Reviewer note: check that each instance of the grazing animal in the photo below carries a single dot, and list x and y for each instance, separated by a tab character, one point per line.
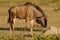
29	12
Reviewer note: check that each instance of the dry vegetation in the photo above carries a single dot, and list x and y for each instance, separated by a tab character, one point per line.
50	7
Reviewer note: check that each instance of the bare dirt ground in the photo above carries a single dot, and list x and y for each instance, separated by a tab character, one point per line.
53	30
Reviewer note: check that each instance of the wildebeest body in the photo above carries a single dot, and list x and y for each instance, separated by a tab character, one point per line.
22	12
29	12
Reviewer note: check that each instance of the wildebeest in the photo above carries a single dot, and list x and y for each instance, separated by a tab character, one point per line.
29	12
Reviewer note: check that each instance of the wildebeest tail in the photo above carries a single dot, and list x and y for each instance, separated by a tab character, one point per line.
9	18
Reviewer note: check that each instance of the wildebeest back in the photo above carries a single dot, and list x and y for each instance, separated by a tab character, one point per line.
21	11
27	11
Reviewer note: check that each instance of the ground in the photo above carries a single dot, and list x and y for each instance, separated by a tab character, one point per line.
51	9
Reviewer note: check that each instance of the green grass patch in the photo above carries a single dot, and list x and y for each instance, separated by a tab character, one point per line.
35	37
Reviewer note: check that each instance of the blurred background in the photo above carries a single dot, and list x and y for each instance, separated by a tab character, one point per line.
50	7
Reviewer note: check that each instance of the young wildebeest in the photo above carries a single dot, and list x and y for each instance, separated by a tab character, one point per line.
29	12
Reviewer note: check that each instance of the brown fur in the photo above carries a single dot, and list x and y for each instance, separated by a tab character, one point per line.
28	12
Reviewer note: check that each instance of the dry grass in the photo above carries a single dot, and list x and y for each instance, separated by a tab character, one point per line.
51	9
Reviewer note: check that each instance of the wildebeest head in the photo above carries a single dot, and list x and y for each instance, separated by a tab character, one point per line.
42	21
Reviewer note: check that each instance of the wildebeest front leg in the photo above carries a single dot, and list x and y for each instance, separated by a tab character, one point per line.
31	26
26	25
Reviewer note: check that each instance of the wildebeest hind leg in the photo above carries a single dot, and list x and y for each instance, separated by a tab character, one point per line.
12	25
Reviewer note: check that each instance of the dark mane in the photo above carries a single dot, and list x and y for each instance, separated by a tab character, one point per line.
36	6
27	3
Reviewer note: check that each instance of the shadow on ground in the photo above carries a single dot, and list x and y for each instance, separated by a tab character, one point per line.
19	29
